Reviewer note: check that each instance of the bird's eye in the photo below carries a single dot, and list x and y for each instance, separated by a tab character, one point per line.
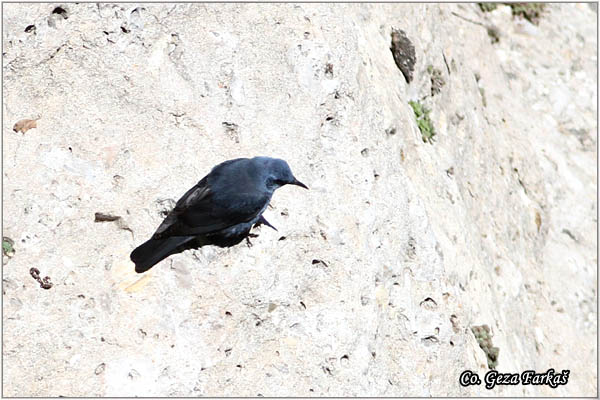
275	183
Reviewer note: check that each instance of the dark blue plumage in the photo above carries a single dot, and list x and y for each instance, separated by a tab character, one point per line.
219	210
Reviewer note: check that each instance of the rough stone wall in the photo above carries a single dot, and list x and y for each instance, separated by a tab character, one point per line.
377	274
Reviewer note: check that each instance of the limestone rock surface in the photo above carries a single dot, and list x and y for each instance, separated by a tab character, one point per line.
377	273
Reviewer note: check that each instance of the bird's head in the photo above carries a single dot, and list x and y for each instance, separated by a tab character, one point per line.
279	173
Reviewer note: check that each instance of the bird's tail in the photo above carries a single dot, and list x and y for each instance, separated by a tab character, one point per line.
148	254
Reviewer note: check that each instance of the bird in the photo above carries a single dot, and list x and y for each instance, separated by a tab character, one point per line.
219	210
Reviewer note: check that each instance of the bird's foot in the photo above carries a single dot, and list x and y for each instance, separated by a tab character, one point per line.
250	235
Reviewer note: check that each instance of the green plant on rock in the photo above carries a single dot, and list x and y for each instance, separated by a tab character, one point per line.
487	7
484	339
530	11
423	121
8	246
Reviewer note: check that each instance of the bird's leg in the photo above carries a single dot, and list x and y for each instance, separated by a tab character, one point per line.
248	242
261	221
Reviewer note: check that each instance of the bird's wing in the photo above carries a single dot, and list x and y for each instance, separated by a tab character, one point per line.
198	213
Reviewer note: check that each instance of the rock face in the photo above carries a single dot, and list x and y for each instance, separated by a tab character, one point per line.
377	274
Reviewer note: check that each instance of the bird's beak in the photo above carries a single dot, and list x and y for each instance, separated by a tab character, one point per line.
298	183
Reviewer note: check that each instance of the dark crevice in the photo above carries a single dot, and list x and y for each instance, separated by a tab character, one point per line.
61	11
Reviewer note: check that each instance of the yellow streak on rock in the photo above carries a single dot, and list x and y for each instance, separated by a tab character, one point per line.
381	296
139	284
125	277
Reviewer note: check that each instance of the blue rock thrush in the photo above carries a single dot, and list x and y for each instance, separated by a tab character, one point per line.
219	210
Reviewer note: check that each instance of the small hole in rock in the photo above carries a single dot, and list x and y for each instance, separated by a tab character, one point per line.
315	261
282	238
61	11
30	28
228	313
125	30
